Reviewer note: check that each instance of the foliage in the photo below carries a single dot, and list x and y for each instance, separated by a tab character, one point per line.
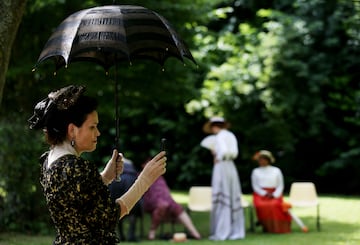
20	192
286	79
284	73
146	113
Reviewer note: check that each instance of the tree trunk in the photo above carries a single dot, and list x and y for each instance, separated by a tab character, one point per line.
11	12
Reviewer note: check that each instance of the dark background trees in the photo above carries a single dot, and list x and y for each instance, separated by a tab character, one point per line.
11	14
284	73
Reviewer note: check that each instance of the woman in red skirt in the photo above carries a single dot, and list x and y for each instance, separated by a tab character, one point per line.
268	184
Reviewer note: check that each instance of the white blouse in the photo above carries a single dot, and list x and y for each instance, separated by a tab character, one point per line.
226	145
267	177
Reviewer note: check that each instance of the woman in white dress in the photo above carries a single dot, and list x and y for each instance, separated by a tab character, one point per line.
227	215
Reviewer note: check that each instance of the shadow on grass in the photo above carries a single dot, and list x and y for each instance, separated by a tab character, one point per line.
331	233
339	226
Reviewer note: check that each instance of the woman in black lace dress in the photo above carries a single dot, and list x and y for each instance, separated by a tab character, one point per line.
76	193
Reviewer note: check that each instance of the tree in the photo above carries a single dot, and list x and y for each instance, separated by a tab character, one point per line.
147	112
11	12
284	73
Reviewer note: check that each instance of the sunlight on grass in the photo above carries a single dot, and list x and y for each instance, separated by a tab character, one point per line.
180	196
340	218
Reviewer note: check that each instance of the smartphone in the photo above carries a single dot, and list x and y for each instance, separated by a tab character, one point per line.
163	144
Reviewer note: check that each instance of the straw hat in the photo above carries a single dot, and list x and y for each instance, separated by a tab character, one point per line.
264	153
179	237
215	120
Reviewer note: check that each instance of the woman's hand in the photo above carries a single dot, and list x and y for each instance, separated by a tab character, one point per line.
154	168
113	168
269	195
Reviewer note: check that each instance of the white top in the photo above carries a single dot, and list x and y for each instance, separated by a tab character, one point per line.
226	145
267	177
208	142
60	150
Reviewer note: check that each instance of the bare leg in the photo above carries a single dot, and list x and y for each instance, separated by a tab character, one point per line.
298	221
156	217
186	221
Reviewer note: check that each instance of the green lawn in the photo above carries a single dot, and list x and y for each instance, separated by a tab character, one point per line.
340	225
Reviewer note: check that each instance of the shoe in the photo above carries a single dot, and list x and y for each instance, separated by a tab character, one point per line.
151	235
304	229
286	206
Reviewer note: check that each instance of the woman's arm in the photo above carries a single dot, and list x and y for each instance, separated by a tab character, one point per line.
152	170
255	183
280	183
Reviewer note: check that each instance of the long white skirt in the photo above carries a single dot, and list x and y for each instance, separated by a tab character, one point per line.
227	215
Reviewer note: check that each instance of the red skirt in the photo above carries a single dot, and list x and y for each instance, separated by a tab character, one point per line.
272	213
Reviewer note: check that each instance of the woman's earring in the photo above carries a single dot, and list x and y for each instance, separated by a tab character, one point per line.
72	142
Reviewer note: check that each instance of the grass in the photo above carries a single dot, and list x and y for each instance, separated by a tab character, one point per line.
340	225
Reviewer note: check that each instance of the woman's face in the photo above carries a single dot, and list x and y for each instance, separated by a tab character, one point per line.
215	129
263	161
86	135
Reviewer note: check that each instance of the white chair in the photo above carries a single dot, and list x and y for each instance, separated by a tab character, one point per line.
200	199
248	206
303	194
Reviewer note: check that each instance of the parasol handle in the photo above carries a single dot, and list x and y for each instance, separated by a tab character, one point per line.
116	89
116	146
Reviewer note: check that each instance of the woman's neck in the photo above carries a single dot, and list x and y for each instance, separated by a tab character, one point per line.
61	150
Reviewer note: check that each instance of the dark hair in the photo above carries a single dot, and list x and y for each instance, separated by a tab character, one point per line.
57	120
